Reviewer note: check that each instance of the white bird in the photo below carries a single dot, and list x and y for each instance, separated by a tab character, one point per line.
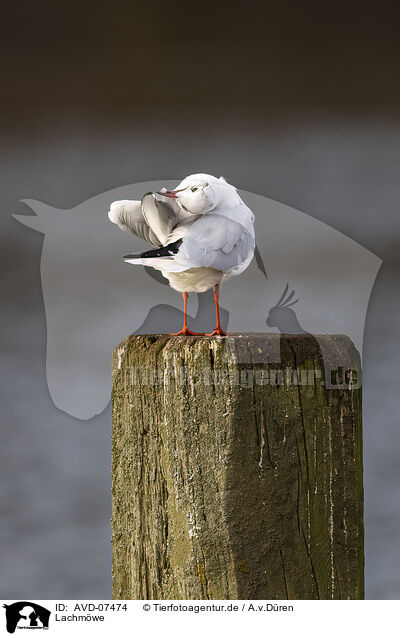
202	230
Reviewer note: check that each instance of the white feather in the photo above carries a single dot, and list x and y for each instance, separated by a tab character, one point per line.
208	215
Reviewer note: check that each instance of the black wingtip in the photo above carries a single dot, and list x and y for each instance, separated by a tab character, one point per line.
159	252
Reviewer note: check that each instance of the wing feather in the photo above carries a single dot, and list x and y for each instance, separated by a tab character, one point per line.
159	216
128	216
150	219
214	241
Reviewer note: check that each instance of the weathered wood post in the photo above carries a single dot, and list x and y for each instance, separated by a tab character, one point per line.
234	477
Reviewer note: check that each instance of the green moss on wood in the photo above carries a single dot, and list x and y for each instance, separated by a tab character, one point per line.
225	492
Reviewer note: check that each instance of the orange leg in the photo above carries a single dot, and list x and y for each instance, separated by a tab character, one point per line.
217	331
185	331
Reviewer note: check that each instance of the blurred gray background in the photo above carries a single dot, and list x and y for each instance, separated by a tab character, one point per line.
298	103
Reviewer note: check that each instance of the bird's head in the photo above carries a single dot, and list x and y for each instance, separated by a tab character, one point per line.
199	193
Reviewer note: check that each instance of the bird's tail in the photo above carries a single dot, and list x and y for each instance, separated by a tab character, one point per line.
260	262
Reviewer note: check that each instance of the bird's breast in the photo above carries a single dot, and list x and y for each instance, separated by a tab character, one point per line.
196	279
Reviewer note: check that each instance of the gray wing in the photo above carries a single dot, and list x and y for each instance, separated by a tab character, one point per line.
159	215
149	219
215	241
128	216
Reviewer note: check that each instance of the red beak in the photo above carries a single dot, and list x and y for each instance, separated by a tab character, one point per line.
171	194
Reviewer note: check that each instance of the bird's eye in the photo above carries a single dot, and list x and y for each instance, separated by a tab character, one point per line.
194	189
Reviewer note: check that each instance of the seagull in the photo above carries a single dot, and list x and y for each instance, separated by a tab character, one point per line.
202	231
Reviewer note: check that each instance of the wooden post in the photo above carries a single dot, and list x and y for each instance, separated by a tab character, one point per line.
235	478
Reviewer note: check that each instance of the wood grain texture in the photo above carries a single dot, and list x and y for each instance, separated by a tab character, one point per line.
246	486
